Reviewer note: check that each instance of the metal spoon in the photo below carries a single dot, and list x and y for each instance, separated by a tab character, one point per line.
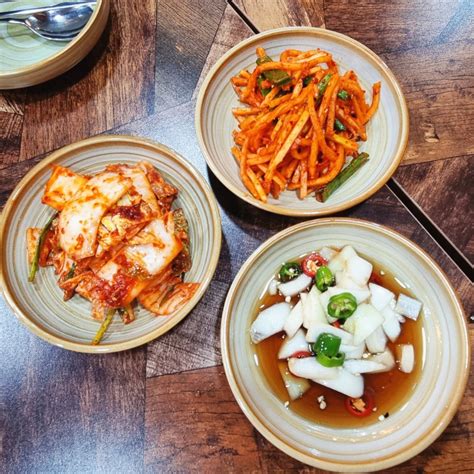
61	24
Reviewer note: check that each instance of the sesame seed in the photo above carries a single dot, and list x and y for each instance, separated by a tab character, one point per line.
382	272
287	404
381	418
320	398
323	405
288	299
365	356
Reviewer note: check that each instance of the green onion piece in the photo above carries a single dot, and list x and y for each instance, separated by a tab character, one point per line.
289	271
324	278
307	80
263	90
71	271
339	126
323	85
342	306
344	175
275	76
103	327
342	94
39	246
331	361
328	344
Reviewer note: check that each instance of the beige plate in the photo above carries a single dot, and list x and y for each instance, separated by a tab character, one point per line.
446	353
27	59
68	324
387	131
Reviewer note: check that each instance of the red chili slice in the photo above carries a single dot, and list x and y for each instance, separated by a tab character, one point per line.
336	324
355	408
302	354
311	263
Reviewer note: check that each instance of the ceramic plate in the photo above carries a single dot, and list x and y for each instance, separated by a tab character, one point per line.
387	131
40	305
445	366
26	59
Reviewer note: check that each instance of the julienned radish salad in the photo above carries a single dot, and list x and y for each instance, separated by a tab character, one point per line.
337	323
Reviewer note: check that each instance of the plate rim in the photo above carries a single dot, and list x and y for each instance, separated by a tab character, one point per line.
281	210
97	22
9	296
436	426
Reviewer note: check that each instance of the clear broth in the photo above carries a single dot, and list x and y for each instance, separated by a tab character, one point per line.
391	389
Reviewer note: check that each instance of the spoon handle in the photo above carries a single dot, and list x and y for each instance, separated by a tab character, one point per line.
59	6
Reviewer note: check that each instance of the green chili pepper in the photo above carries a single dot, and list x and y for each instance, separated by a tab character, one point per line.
71	271
263	90
324	278
323	85
103	327
342	94
289	271
327	343
339	126
342	306
39	246
344	175
307	80
275	76
331	361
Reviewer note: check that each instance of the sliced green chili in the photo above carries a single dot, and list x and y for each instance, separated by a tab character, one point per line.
263	90
331	361
307	80
324	278
327	343
339	126
39	246
289	271
342	94
342	306
323	85
344	175
71	271
275	76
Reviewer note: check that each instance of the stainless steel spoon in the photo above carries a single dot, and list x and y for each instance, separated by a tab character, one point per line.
59	24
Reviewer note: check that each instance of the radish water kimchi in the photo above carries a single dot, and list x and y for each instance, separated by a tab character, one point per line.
115	239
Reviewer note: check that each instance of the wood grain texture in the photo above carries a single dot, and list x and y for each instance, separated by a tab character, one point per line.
269	14
231	31
443	189
68	412
10	137
193	424
184	37
113	85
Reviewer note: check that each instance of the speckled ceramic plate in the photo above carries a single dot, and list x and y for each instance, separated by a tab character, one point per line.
40	305
446	352
387	131
26	59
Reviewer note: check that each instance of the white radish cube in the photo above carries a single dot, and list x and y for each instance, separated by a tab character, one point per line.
408	307
391	324
328	253
343	280
313	311
353	352
295	286
380	296
364	366
358	269
377	341
310	368
294	320
292	345
296	386
386	358
270	321
273	287
345	382
405	357
366	320
315	330
338	262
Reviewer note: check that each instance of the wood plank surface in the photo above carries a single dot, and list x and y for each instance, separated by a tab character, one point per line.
112	86
280	13
61	411
180	56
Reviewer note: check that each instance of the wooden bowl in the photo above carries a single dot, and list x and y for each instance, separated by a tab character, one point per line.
387	131
431	403
28	60
40	305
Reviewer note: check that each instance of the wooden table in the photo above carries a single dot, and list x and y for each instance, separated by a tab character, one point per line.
167	407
